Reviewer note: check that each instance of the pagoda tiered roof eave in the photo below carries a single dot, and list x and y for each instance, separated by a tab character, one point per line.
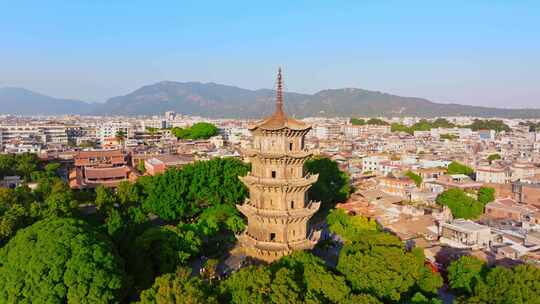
308	180
249	209
259	153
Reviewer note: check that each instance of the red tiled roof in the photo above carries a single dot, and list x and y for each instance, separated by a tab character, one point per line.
102	173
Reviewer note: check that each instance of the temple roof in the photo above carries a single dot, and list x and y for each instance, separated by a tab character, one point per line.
280	120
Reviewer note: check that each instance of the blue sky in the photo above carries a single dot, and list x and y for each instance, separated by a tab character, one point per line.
470	52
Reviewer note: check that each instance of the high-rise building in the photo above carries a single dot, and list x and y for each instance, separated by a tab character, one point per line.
278	209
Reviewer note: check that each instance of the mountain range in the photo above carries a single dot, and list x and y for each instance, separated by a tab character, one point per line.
216	100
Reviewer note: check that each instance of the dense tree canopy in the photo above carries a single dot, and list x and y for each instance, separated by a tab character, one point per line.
160	250
486	195
422	125
475	283
460	203
200	130
497	125
415	177
178	288
60	261
19	164
299	278
371	121
493	157
459	168
357	121
180	194
333	184
465	273
379	265
349	228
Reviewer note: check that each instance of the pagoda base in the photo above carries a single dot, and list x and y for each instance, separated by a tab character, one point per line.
271	251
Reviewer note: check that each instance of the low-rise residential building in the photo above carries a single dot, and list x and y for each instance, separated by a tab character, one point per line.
402	186
160	163
465	233
372	163
492	174
508	208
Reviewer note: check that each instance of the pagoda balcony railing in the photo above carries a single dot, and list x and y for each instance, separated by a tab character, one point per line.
296	153
306	180
308	210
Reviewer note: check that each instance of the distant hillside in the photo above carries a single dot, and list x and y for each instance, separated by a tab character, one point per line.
216	100
20	101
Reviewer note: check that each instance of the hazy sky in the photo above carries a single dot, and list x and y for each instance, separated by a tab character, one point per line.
470	52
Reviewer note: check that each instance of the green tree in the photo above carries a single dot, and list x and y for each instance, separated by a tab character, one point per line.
449	136
460	203
376	121
249	285
388	272
127	193
7	165
333	184
60	260
203	130
486	195
357	122
200	130
317	284
181	133
493	157
181	194
396	127
497	125
458	168
60	201
350	228
220	218
442	123
179	288
105	198
361	299
501	285
377	263
161	250
415	177
140	166
465	273
15	218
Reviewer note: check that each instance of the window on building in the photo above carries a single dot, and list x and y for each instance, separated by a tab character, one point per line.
292	204
272	236
290	146
273	174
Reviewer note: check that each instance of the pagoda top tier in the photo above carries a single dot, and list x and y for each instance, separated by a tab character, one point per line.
279	120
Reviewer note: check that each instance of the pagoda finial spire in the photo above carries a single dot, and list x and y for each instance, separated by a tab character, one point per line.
279	92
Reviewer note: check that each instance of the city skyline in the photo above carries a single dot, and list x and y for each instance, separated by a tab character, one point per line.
474	54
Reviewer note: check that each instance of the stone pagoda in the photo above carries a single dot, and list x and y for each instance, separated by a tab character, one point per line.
278	209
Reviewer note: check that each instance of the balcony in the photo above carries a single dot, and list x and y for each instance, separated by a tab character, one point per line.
277	154
268	181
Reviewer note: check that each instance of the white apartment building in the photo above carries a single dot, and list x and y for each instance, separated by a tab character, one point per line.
522	171
373	163
352	131
33	134
327	131
110	129
490	174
